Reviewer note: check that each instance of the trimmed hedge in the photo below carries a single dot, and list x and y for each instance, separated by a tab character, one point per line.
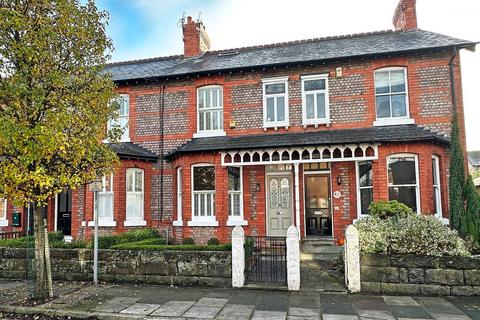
107	242
55	241
174	247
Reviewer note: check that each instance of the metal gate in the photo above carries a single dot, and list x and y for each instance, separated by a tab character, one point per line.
266	260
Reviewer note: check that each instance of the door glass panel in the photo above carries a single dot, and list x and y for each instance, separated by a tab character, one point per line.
273	194
317	192
285	190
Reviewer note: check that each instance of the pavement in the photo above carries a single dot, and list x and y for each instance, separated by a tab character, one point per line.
151	302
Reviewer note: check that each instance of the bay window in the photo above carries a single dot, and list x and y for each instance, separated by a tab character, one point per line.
391	96
437	196
3	212
275	102
135	198
235	197
364	187
105	202
210	111
203	196
315	99
122	119
403	180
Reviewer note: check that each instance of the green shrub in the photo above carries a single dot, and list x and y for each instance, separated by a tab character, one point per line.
68	245
106	242
188	241
417	234
174	247
388	209
152	241
55	236
213	242
23	242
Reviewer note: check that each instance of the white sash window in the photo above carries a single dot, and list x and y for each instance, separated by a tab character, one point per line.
203	196
122	119
135	197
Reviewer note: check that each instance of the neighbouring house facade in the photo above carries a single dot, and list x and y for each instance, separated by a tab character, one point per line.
306	133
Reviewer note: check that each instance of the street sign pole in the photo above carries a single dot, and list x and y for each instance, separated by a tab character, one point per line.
95	242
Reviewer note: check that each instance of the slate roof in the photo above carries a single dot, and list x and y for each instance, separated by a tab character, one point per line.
400	133
320	49
129	150
474	158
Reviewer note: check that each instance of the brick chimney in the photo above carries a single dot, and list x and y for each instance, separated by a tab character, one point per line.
195	38
405	17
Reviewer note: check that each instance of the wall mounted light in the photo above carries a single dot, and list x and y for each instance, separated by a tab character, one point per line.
339	180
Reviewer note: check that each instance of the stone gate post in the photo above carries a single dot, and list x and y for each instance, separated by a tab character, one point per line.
238	257
352	259
293	258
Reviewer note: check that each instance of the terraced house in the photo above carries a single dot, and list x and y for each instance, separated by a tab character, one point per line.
307	132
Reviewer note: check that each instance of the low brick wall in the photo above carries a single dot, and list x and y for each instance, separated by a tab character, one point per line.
184	268
420	275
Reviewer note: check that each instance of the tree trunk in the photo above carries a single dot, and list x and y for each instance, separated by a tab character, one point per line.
41	288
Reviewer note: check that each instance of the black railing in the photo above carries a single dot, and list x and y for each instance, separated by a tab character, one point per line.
11	234
265	260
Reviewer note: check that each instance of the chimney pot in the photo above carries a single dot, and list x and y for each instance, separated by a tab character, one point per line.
405	17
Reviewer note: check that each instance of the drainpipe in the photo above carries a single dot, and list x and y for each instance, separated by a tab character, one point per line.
162	144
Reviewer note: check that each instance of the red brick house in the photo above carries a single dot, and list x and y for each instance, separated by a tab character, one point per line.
307	132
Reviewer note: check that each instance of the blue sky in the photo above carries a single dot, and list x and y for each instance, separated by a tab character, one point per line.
149	28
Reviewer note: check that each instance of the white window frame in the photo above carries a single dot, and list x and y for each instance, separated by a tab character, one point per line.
417	176
236	220
4	220
392	120
205	221
359	188
437	187
179	221
135	221
276	124
316	120
110	222
213	132
126	134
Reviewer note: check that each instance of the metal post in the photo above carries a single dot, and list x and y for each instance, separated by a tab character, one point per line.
95	241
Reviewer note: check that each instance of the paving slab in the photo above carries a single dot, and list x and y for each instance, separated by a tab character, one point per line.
236	312
212	302
201	312
141	308
443	316
365	302
303	318
269	315
173	308
438	305
399	301
376	314
116	304
338	308
303	312
403	311
339	317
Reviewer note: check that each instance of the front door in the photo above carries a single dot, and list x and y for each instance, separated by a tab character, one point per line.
279	204
317	205
64	212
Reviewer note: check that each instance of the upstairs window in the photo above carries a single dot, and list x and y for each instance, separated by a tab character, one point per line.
210	111
403	180
391	96
135	198
364	187
122	118
315	99
203	193
275	102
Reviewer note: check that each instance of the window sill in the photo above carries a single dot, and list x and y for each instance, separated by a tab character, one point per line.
393	122
119	141
206	134
276	125
178	223
3	223
103	223
202	223
236	222
134	223
444	221
359	218
316	123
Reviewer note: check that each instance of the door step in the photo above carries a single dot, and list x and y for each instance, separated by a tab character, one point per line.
320	249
